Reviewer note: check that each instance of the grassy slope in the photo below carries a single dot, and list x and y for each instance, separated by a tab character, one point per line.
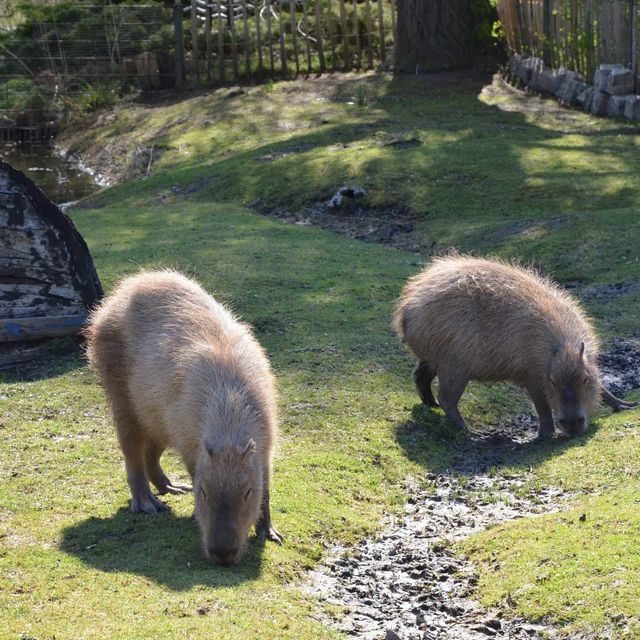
321	305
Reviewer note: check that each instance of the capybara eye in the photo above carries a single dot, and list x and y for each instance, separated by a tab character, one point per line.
246	495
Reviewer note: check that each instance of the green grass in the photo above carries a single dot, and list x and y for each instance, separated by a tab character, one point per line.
564	194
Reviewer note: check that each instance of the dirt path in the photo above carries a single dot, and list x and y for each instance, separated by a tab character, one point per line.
406	583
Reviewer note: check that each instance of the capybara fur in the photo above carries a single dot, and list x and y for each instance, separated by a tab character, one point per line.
180	371
469	318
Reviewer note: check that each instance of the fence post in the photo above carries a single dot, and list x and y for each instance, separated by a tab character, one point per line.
634	43
179	43
194	40
546	32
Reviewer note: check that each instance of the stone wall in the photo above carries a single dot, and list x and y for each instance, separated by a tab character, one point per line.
610	94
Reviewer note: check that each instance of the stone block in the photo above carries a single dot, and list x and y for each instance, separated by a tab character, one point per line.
632	107
620	82
601	79
599	103
570	89
585	98
549	81
529	69
514	63
616	105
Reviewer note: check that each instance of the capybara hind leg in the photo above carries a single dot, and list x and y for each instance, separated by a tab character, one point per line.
264	527
452	387
423	376
152	453
545	415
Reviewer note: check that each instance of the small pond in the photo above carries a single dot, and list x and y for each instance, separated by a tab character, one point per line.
61	179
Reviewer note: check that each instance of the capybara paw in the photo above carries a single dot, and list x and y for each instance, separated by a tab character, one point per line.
170	487
147	504
269	533
544	435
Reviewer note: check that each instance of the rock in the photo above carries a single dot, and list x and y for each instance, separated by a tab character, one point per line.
572	86
620	82
530	69
616	106
549	81
391	635
599	103
632	107
585	98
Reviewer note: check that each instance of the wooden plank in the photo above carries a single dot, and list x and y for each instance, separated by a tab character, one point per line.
221	59
283	49
194	41
294	34
14	329
383	52
393	18
247	42
234	44
259	43
178	36
307	37
356	28
319	37
369	24
207	34
270	40
346	58
332	35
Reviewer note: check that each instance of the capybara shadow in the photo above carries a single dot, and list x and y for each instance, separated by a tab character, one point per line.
165	549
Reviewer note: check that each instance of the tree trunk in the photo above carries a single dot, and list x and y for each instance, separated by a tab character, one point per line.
433	35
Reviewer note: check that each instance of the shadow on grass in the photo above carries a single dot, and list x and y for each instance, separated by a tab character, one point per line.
32	361
432	440
163	548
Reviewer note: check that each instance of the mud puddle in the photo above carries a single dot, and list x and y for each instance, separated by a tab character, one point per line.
406	583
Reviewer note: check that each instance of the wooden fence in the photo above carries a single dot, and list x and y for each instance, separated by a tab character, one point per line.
577	34
246	40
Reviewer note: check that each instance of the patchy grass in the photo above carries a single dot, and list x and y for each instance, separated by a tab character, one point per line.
487	176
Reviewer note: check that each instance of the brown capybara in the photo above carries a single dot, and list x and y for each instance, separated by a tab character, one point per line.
180	371
469	318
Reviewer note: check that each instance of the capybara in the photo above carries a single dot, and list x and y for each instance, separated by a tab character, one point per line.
469	318
180	371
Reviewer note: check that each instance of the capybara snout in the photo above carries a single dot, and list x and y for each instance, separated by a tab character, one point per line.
226	504
180	371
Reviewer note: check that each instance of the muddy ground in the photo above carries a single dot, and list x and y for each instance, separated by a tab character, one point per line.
405	583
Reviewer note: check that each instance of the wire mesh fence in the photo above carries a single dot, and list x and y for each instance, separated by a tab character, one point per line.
62	56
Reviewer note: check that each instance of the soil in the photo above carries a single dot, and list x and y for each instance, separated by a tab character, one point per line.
406	583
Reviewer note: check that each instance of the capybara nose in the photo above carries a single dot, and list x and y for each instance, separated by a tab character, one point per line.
573	425
224	555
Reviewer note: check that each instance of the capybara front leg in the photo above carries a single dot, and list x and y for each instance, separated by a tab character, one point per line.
152	453
264	527
423	376
452	387
545	415
132	444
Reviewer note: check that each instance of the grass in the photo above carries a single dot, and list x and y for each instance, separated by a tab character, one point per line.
561	191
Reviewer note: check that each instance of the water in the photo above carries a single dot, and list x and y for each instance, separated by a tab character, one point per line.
60	179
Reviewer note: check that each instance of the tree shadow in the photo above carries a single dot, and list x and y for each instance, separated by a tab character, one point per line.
164	548
433	441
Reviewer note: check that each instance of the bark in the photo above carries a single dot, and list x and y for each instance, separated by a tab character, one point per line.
433	35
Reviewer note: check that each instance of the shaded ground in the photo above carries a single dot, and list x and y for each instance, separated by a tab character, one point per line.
406	583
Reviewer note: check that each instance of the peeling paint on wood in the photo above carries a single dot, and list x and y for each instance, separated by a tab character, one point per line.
47	277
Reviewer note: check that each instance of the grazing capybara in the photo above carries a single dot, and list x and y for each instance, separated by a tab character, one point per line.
469	318
180	371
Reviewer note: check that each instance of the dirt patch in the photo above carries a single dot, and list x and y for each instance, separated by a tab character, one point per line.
392	226
406	583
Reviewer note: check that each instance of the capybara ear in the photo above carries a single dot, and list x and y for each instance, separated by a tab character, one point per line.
581	355
250	449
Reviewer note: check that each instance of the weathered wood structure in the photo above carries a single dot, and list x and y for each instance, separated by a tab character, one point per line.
47	278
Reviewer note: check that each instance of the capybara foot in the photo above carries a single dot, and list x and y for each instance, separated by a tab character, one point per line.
147	504
171	487
268	533
545	433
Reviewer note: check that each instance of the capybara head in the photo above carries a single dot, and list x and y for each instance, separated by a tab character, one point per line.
573	388
228	495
